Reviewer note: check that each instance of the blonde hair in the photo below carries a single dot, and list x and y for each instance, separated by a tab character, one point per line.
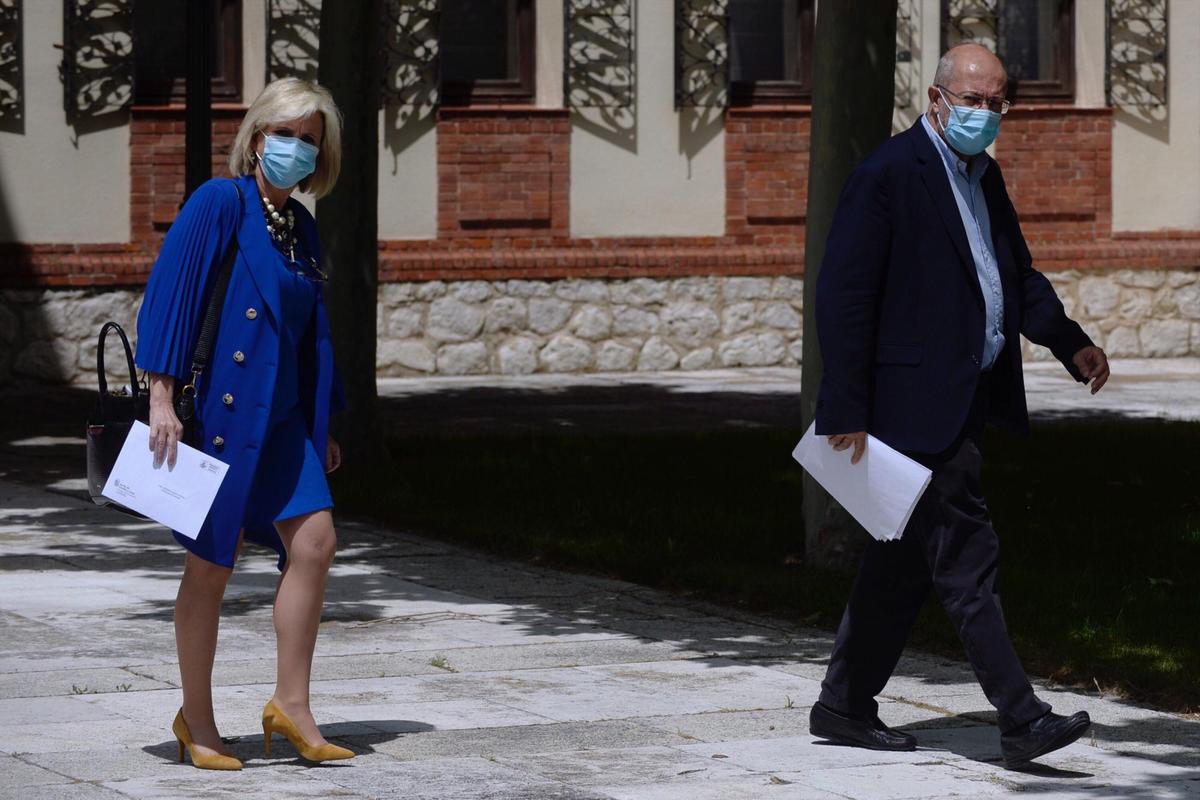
282	101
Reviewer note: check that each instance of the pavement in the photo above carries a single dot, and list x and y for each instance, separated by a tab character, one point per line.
1167	388
456	674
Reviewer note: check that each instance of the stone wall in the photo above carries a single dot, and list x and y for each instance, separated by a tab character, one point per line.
1132	313
518	327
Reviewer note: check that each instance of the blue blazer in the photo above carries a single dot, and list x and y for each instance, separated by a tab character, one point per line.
245	353
899	311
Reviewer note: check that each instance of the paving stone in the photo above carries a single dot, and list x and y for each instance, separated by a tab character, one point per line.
400	716
637	765
458	778
186	781
66	791
459	675
901	782
525	739
722	726
18	772
75	681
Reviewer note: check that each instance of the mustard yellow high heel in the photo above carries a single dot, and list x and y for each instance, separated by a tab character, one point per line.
275	721
199	760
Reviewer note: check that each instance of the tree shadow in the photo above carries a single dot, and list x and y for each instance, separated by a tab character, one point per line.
397	578
601	70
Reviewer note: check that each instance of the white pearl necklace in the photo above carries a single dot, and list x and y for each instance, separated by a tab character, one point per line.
280	227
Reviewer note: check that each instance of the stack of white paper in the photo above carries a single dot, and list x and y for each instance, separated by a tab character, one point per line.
880	491
179	498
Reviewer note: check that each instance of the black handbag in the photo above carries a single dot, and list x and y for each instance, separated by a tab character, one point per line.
115	411
111	418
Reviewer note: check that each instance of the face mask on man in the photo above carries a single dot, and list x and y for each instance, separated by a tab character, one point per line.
969	130
286	161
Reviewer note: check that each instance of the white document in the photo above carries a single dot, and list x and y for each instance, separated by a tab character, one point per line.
880	491
179	497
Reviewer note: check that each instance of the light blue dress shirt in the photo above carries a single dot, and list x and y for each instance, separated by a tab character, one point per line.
968	194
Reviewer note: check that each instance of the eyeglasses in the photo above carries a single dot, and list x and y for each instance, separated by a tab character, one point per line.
996	104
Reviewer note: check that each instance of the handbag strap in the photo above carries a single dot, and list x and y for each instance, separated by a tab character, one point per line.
102	378
212	315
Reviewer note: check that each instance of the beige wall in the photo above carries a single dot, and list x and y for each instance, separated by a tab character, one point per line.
1156	162
665	176
57	183
914	77
1090	18
254	48
548	58
407	173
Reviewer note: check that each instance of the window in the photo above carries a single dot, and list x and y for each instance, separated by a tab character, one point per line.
486	51
770	53
160	51
1034	38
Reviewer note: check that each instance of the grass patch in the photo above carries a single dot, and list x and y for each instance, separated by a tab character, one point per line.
1099	523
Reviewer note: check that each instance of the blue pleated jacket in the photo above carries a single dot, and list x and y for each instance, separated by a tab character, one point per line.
235	392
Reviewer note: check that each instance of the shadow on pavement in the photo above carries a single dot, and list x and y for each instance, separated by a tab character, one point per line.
409	576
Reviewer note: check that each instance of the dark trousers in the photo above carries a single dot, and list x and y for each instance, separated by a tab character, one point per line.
949	545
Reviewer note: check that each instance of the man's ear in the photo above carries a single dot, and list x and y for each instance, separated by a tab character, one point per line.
933	96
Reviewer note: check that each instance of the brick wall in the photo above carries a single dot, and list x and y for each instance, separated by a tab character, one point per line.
1057	163
157	165
503	176
766	175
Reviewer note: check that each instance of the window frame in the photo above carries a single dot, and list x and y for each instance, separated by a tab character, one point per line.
517	91
753	93
226	84
1059	90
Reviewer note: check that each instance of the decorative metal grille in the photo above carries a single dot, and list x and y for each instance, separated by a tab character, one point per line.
1136	74
701	53
970	21
97	65
908	52
12	77
599	53
293	38
411	68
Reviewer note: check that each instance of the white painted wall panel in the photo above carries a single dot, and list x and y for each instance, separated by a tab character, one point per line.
1156	163
666	175
57	183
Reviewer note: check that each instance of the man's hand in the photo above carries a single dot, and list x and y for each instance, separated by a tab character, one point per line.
841	441
1093	365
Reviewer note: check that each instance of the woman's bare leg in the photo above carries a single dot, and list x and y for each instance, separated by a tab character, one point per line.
310	542
197	618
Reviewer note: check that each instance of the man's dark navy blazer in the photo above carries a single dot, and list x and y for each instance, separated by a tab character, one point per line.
900	314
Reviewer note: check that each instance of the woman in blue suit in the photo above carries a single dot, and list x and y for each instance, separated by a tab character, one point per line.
263	403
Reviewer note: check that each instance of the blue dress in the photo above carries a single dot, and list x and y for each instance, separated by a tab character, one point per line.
263	404
290	477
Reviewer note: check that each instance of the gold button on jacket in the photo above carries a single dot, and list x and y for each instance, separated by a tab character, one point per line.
251	313
227	399
239	356
218	441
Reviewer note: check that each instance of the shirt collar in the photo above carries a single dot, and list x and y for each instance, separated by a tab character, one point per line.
953	163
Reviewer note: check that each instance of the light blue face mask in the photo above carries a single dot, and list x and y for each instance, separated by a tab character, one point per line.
969	130
287	161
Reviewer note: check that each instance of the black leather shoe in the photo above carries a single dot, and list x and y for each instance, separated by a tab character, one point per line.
825	723
1045	734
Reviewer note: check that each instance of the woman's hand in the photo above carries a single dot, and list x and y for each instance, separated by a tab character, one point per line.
165	427
333	455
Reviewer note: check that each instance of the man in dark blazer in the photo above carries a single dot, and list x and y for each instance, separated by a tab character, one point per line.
924	292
